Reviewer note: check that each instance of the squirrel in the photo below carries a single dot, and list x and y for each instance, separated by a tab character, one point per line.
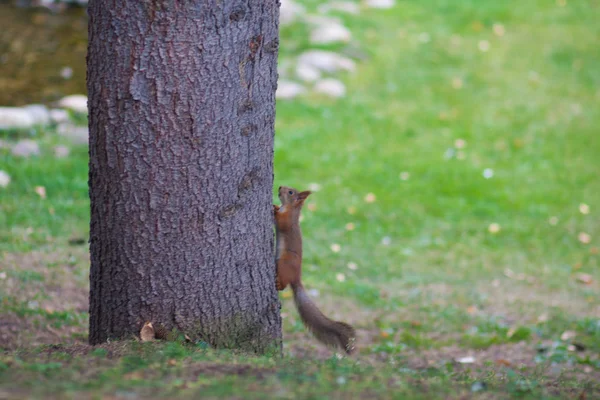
289	263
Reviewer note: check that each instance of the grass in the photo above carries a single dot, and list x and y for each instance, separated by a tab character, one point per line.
431	281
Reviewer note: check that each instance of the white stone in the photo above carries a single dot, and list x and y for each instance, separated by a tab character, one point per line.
26	148
307	72
39	113
327	34
289	12
4	179
77	134
61	151
344	6
326	61
75	102
288	89
380	3
58	116
330	87
15	118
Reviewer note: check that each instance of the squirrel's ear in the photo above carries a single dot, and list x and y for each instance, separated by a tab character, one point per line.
303	195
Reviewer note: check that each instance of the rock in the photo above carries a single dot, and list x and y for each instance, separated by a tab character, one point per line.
330	87
4	179
289	11
26	148
77	134
344	6
327	34
288	89
61	151
39	113
307	72
15	118
380	3
326	61
76	102
58	116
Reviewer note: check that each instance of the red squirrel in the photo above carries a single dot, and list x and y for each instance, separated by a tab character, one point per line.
289	271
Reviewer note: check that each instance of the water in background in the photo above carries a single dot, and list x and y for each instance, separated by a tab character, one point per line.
42	54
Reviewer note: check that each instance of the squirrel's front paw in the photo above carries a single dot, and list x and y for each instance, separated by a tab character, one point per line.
275	208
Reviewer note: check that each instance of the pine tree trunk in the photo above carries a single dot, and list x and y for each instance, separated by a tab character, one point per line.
182	110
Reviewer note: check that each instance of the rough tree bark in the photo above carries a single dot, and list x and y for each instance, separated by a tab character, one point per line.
182	110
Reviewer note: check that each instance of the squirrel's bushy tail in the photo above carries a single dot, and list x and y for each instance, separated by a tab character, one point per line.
331	333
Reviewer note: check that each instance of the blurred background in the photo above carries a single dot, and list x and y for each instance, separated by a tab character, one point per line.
453	150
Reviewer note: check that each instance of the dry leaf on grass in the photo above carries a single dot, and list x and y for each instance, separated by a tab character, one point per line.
586	279
147	332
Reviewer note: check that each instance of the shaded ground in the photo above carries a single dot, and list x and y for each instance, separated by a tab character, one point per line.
44	328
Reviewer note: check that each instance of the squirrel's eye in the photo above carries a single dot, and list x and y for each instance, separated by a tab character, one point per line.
290	193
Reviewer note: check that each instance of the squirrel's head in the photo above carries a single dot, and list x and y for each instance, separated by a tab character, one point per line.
288	195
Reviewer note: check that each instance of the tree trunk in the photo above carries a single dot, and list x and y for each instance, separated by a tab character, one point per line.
182	111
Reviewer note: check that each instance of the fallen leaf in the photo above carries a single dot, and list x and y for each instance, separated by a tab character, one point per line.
135	375
584	238
498	29
457	83
477	26
484	45
466	360
287	294
314	187
567	335
585	278
503	362
494	227
147	332
172	362
41	191
370	198
471	310
509	273
460	143
384	334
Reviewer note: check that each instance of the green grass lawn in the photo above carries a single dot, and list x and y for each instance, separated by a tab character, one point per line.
457	216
